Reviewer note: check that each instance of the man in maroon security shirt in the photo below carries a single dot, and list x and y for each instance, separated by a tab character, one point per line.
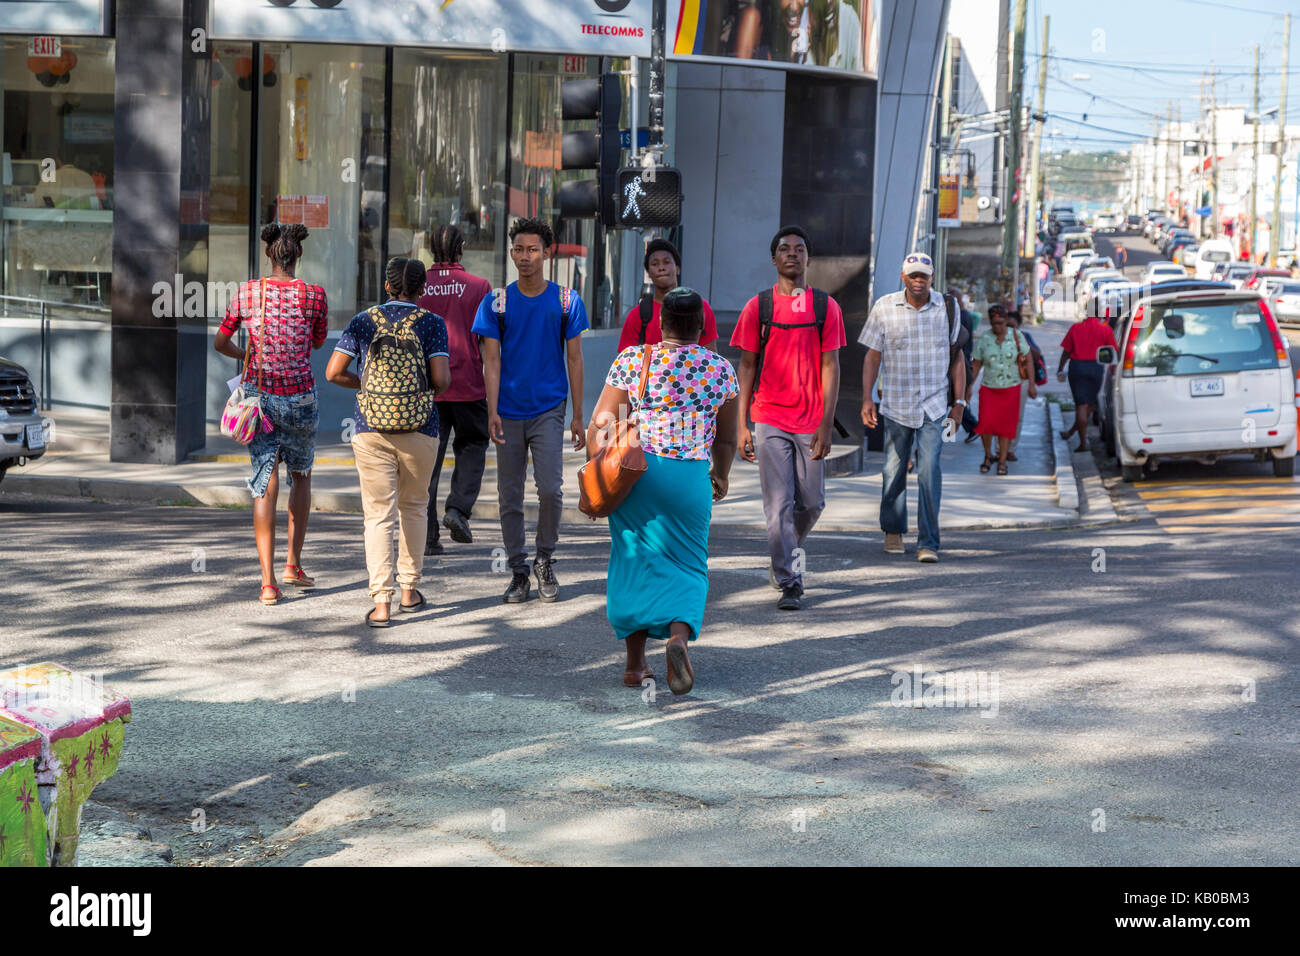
789	336
455	294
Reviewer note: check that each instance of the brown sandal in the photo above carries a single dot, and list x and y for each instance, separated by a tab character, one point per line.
272	601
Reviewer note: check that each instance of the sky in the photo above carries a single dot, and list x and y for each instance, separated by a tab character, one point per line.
1141	54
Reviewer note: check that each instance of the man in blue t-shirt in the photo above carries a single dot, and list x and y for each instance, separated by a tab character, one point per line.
531	357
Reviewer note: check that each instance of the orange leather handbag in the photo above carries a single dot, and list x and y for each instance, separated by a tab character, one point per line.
608	476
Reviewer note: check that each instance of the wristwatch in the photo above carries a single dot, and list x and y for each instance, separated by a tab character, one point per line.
960	401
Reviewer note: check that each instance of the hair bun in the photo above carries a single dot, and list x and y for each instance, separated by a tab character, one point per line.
271	232
296	232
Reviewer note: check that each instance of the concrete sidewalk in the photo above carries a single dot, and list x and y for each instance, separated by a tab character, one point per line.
77	465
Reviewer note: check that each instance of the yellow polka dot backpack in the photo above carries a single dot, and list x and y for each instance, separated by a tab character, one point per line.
395	392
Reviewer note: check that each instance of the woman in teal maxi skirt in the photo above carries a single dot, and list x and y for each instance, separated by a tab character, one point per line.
658	580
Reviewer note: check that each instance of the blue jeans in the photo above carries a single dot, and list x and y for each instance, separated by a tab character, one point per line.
293	438
899	440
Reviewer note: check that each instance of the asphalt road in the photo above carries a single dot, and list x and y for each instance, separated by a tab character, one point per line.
1139	703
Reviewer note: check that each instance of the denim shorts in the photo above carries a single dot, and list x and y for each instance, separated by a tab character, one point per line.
292	437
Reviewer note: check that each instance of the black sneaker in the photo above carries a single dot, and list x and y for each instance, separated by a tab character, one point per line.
517	593
433	546
548	589
458	525
790	598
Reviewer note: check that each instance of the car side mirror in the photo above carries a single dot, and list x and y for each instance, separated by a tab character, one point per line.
1106	355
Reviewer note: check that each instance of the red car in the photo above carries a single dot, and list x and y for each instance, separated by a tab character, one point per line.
1252	281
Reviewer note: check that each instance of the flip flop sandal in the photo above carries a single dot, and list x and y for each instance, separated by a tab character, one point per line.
270	602
988	463
681	676
1011	456
1002	469
296	575
632	679
373	623
412	608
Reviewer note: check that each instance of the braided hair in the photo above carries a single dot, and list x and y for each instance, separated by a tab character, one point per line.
405	277
284	243
447	244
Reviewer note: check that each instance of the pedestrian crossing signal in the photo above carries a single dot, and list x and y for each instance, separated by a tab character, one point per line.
649	197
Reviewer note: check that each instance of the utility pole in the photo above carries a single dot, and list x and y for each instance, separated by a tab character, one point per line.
1169	155
1275	231
945	141
1035	169
1214	160
1178	166
1254	157
1011	222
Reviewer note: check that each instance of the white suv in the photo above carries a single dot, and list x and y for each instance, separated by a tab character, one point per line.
1204	374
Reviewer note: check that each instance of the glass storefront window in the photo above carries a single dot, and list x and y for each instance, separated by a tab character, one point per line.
229	217
57	237
321	143
449	155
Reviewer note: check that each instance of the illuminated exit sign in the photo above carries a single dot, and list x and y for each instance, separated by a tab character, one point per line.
45	46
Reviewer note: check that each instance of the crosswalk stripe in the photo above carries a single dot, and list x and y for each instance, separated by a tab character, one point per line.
1234	517
1220	492
1248	529
1233	506
1210	483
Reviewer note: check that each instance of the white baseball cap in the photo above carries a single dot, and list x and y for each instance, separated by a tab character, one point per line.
918	262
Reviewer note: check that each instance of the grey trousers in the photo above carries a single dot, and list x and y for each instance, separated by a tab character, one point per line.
544	437
794	495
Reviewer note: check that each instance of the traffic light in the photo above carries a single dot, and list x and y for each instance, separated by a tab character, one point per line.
649	198
602	100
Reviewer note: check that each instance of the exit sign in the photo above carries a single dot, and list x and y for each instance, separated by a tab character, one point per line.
575	64
45	46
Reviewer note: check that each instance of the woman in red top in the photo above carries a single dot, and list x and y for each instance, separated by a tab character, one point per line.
287	318
1080	346
663	263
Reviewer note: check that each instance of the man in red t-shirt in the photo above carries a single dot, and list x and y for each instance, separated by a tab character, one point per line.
793	406
455	294
663	263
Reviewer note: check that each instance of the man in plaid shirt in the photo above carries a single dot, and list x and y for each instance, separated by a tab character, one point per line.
909	336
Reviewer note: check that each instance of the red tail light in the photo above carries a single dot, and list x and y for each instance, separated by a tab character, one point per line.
1130	350
1279	346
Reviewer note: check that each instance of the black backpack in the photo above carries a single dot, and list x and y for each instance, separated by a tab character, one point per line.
566	301
821	301
963	336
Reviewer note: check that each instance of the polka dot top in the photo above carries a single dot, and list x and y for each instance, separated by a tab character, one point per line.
687	386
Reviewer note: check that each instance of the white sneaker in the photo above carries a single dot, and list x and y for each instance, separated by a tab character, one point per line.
926	556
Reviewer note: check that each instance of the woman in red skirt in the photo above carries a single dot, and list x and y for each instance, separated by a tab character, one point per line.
995	352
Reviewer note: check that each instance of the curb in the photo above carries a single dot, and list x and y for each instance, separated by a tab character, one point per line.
1067	491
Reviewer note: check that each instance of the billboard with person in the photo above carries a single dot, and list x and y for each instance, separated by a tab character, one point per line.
839	34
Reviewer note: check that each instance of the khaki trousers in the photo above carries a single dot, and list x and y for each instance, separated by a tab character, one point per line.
394	470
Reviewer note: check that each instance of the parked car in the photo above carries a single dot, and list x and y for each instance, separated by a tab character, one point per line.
1186	256
22	430
1214	252
1094	264
1133	223
1162	272
1195	366
1283	298
1109	298
1173	241
1106	222
1236	273
1071	261
1253	279
1087	290
1074	239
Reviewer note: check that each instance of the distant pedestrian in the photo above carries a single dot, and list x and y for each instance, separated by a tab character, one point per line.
285	318
1043	272
532	356
1039	376
658	578
996	353
789	337
911	340
455	295
1121	256
402	366
663	264
1079	348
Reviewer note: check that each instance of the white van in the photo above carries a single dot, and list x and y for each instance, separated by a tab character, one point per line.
1203	374
1212	252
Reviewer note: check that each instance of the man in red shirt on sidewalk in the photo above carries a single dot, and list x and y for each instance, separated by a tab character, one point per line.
455	294
663	264
789	336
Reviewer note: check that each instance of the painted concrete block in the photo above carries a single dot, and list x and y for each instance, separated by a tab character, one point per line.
22	823
80	728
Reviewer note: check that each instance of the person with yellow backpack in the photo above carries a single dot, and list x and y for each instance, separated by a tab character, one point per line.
403	363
